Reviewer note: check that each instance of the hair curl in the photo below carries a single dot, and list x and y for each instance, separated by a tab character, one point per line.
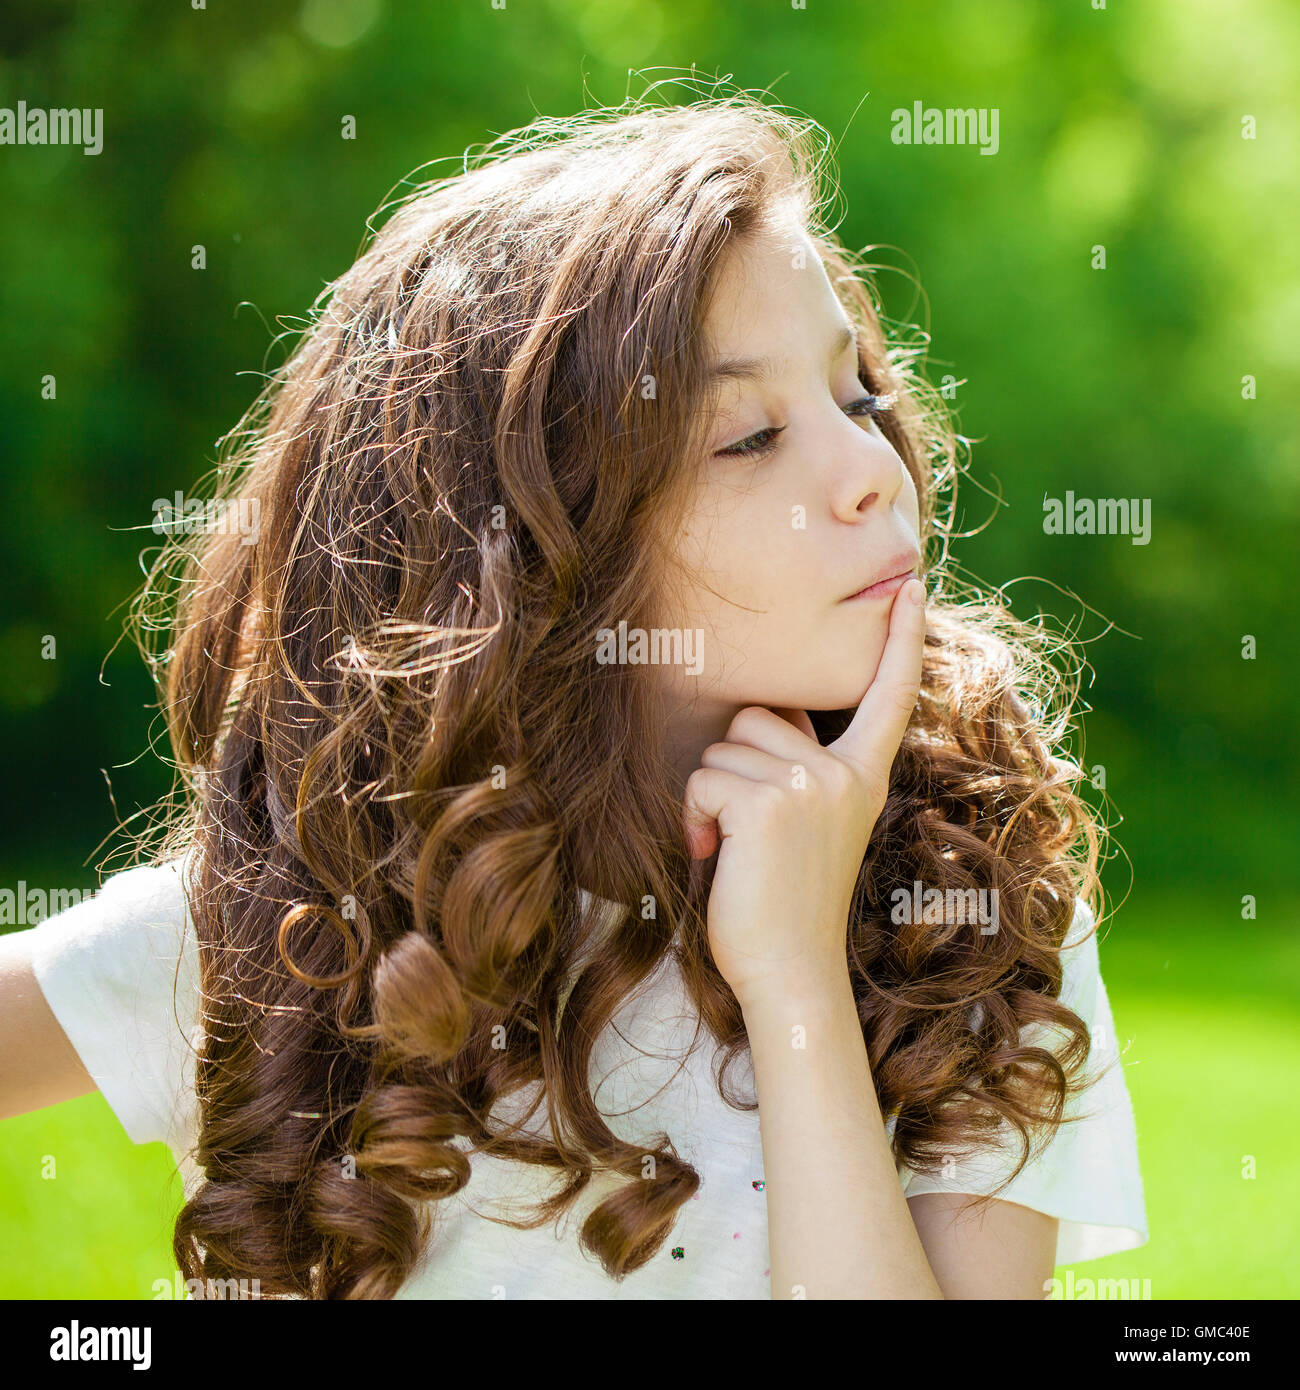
400	763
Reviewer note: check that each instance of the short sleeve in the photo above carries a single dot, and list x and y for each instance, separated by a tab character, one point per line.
119	971
1088	1175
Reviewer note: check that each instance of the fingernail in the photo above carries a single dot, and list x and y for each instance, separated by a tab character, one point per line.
916	592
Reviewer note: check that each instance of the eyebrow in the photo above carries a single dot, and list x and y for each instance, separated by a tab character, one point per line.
760	368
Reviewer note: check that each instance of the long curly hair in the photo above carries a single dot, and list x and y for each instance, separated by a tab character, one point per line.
399	763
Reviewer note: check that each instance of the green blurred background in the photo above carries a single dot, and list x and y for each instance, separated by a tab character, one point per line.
1120	127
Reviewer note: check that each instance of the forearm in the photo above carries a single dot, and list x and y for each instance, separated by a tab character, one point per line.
838	1223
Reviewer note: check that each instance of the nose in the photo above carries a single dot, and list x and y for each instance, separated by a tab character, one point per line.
867	473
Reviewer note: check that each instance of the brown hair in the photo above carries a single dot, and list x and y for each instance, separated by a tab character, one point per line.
400	760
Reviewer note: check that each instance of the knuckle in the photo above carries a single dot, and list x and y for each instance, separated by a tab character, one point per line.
695	783
903	698
769	802
745	722
838	777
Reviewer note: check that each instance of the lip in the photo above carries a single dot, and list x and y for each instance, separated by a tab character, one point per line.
896	573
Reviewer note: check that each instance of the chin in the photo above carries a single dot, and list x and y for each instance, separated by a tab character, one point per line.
836	683
833	702
833	694
844	689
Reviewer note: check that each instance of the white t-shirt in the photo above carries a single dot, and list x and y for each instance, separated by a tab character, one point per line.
108	965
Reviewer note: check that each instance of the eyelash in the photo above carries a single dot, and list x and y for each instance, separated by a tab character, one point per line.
873	405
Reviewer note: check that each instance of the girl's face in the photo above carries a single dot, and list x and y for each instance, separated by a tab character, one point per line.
800	502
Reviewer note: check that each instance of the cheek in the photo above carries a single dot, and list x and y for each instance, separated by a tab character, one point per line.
735	581
911	506
730	558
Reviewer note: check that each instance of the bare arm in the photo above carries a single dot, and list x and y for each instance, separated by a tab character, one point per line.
1008	1251
38	1065
838	1223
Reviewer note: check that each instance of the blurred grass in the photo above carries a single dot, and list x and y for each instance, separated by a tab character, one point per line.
1204	1000
101	1226
1207	1004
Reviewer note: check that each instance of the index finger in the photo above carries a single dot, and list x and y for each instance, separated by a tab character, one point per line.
877	728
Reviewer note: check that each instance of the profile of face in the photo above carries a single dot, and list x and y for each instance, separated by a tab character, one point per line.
799	504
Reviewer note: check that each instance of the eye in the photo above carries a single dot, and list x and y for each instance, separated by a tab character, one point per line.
762	442
754	444
875	406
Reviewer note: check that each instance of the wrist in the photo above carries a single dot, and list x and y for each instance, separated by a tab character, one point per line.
809	986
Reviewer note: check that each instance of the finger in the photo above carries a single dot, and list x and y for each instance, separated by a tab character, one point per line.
797	717
762	728
876	730
709	793
750	763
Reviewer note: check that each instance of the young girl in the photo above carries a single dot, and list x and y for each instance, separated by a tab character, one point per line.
575	771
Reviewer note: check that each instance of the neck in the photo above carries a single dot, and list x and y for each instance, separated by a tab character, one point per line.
689	728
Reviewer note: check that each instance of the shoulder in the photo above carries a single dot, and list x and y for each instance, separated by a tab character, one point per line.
1081	963
147	899
119	971
128	933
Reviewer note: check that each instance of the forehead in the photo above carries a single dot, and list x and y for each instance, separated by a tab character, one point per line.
771	293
